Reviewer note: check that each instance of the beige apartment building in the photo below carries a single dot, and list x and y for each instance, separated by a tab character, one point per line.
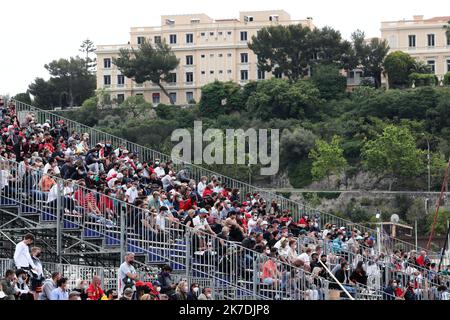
208	50
424	39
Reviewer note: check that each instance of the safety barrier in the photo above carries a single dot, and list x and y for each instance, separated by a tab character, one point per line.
297	209
234	272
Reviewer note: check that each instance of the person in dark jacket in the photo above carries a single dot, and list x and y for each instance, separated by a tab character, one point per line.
389	291
194	292
409	293
359	275
167	284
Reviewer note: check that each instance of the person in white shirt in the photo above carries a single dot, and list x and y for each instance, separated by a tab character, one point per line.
200	223
53	165
22	257
53	193
113	180
253	223
202	185
160	172
306	256
131	193
21	286
113	171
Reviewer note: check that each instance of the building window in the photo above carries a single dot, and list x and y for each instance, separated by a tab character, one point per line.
448	65
261	75
211	55
140	40
211	33
189	77
431	40
202	55
139	94
211	71
229	33
120	98
156	98
244	57
173	96
173	38
189	60
229	71
412	41
202	34
107	80
203	72
189	97
244	75
432	65
220	33
189	38
229	55
220	55
243	35
172	78
157	39
107	63
220	71
278	75
448	40
120	79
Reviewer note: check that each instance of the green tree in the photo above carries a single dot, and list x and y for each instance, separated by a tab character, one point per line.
397	66
220	98
327	158
148	63
393	154
328	48
373	65
283	49
293	49
44	93
87	47
23	97
72	82
441	223
136	107
277	98
329	81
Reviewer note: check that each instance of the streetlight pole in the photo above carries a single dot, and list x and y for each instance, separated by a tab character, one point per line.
378	216
428	164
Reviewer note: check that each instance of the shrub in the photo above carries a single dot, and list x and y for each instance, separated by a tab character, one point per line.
423	79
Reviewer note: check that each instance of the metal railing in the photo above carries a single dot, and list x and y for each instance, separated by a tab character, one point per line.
196	172
234	272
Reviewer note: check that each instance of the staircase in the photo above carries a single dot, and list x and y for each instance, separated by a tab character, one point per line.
296	208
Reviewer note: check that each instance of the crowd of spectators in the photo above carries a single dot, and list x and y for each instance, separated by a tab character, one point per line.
95	174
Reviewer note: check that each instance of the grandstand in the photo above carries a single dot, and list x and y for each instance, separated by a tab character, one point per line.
83	246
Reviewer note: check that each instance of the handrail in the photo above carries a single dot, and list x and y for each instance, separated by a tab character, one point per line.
234	244
191	230
288	203
337	281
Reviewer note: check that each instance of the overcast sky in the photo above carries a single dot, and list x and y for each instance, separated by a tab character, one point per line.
34	32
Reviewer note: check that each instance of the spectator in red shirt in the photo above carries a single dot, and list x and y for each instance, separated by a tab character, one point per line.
106	204
422	259
94	291
208	190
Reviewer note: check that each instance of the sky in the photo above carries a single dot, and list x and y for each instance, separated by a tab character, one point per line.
35	32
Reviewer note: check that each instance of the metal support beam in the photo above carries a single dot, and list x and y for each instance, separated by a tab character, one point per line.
337	281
